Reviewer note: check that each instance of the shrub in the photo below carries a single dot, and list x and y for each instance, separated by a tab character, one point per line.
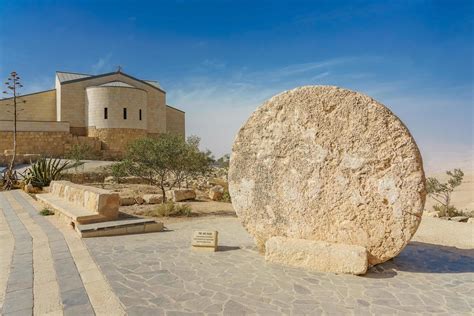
226	197
43	171
170	209
441	210
182	210
164	209
46	212
441	192
79	152
119	171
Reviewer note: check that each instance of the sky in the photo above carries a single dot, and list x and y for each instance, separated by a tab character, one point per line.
219	60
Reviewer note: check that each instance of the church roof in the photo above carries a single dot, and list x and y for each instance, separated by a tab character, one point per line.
116	84
64	77
68	76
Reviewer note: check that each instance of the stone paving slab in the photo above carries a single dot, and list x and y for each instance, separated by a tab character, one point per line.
63	266
19	291
50	269
158	274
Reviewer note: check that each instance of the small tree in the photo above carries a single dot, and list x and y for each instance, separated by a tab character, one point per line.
441	192
79	152
164	161
193	162
13	85
119	170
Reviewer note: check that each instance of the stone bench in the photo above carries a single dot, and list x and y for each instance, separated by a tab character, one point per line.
81	204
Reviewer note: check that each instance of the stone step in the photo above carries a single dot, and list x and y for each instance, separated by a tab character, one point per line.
119	227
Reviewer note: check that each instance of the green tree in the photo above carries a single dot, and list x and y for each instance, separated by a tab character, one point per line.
79	152
195	162
119	170
165	161
441	192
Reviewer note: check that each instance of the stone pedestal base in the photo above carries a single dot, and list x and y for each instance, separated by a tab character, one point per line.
318	256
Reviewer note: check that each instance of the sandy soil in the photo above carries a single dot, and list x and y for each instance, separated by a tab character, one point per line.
447	233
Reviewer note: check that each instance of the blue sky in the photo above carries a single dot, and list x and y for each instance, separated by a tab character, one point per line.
219	60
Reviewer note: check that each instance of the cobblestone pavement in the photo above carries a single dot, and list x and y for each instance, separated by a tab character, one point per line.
50	270
158	273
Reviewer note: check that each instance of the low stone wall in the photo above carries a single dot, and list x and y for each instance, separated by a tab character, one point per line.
51	144
109	144
19	159
93	199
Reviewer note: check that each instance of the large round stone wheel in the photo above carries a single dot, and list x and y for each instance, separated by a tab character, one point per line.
330	164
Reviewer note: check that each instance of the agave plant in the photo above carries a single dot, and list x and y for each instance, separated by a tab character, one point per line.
43	171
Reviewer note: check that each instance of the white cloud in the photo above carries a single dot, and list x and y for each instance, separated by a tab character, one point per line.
102	65
298	69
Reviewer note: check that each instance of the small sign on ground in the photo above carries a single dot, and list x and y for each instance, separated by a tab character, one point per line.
205	240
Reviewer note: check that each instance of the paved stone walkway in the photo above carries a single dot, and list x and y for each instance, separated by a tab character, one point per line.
45	275
46	269
158	274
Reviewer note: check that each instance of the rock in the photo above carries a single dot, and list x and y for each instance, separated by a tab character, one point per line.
29	188
328	164
216	193
462	219
109	179
471	220
316	255
153	198
432	214
139	200
127	200
182	195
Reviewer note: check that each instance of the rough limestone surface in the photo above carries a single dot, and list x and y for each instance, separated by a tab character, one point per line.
183	195
328	164
93	199
317	255
216	192
153	198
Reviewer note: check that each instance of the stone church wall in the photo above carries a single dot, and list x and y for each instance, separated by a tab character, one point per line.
115	99
43	143
39	106
175	121
73	96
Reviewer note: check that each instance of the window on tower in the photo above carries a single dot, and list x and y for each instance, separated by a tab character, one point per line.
106	113
140	114
124	113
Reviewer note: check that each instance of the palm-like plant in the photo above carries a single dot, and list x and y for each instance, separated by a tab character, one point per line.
43	171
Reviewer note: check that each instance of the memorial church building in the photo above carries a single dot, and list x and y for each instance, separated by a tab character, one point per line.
104	111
